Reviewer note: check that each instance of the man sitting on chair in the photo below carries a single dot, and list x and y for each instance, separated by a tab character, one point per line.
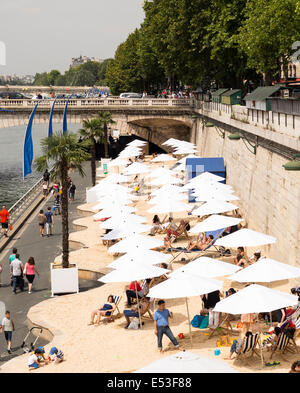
133	313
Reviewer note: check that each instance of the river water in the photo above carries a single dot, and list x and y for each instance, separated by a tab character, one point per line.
12	185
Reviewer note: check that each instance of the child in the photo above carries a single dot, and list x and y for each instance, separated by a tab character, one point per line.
33	360
8	327
56	355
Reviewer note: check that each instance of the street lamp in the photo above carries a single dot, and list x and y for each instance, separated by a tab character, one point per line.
236	136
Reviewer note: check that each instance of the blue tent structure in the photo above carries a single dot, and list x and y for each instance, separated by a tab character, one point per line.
196	166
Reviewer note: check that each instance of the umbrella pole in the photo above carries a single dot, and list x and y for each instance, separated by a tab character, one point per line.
138	304
189	319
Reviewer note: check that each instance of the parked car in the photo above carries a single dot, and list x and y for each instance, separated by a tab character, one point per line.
13	95
131	95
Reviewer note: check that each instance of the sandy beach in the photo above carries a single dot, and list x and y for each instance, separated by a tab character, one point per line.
109	347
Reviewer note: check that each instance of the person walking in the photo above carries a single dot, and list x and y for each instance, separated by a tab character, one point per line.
42	221
49	221
45	190
161	325
72	191
12	256
4	219
46	177
30	271
7	326
16	268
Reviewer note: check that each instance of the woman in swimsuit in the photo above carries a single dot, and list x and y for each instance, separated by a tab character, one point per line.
105	310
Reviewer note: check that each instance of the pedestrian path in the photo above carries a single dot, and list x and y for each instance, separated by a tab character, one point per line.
44	250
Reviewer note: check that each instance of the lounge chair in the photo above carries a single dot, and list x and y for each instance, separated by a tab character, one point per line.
224	324
117	300
283	343
176	252
249	347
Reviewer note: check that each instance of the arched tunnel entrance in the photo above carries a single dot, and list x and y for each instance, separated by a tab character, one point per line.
116	146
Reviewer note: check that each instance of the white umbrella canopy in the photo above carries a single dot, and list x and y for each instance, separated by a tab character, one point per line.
163	158
168	189
135	242
113	189
187	362
208	176
137	142
126	230
207	267
166	197
201	185
266	270
113	203
117	162
140	256
170	142
214	207
113	178
130	152
160	172
158	181
169	206
107	212
184	285
179	168
136	168
133	272
255	299
206	196
245	238
183	160
184	150
122	219
215	222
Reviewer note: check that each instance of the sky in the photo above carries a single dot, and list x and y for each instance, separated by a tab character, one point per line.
41	35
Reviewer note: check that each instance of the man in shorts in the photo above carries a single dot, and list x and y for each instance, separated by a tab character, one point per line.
8	326
4	219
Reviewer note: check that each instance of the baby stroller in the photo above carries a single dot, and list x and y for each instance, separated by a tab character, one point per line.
29	347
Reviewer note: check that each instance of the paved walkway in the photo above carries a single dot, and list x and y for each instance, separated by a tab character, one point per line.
44	250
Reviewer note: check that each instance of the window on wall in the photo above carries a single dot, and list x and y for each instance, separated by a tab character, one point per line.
262	117
293	121
285	119
279	119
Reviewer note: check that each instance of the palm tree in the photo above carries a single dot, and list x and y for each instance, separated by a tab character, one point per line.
105	119
91	132
62	152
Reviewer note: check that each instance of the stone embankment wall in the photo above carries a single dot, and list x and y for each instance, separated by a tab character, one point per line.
269	195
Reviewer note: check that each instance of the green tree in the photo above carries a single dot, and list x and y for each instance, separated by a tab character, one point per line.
267	35
63	152
105	120
41	79
92	132
52	76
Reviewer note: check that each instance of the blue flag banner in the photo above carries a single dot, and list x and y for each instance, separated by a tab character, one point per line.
28	146
65	124
50	129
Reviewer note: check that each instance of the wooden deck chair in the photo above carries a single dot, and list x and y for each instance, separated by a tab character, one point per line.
117	300
281	345
224	324
211	248
249	347
149	316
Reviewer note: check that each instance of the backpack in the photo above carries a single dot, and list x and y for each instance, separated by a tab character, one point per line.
134	324
196	322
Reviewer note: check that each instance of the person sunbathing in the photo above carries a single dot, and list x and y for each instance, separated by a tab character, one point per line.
143	306
236	346
171	236
201	243
103	311
157	226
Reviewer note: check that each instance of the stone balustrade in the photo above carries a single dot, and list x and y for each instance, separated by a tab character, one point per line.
97	102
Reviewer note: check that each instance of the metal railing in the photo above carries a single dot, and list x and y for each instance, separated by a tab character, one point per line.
20	207
98	102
